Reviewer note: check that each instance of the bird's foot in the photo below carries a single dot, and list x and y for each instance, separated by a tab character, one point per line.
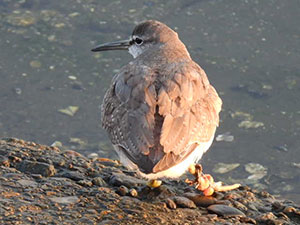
206	183
154	183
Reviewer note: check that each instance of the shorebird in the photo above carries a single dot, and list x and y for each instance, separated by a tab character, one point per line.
160	111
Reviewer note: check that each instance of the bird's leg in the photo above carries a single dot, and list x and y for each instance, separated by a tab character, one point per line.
154	183
205	182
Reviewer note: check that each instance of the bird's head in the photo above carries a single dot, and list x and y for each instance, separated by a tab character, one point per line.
146	35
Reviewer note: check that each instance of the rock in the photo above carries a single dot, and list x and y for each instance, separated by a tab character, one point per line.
289	209
4	161
267	218
85	183
171	204
65	200
133	192
99	182
200	200
225	210
73	175
118	179
44	169
107	222
239	206
30	197
122	190
184	202
26	183
164	191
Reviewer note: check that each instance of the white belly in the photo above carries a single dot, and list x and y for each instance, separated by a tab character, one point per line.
173	172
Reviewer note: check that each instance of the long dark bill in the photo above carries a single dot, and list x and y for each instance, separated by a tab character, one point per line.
116	45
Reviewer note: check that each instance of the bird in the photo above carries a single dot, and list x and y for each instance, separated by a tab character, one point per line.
160	111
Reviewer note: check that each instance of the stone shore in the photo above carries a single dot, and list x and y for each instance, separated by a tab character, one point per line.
44	185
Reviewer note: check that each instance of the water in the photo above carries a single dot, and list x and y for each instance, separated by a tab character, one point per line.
249	49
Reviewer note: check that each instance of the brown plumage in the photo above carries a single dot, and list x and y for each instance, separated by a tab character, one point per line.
160	108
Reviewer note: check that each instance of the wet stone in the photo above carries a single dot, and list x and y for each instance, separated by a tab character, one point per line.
225	167
44	169
200	200
225	210
184	202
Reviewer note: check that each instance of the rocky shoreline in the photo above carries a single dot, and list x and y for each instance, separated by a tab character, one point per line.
44	185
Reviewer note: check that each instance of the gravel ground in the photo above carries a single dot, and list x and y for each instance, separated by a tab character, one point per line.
43	185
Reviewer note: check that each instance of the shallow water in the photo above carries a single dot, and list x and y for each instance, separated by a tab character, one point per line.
249	50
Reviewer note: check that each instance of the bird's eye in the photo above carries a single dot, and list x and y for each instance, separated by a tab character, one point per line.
138	41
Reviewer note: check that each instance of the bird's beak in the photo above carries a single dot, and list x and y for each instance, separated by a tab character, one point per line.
117	45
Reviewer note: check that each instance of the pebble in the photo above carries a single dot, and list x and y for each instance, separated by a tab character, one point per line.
171	204
123	190
225	210
184	202
133	192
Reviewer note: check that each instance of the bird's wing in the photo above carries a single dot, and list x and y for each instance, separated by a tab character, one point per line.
190	107
128	113
157	120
